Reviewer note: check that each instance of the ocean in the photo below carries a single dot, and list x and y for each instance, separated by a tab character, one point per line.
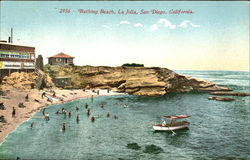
218	130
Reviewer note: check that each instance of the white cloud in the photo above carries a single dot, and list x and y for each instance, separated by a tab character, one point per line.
186	23
138	25
153	27
166	23
162	23
124	22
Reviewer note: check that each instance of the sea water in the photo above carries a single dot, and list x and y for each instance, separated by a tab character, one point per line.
218	130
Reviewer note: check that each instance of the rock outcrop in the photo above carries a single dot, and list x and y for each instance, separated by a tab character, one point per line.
23	80
221	98
133	80
230	93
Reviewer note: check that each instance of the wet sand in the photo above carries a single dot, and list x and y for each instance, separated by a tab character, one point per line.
15	96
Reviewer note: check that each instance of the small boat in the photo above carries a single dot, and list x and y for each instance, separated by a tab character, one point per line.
173	125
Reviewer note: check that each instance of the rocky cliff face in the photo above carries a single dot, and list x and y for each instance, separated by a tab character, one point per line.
133	80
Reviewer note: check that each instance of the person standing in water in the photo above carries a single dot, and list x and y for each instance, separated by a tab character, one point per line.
77	118
108	115
93	119
64	127
44	111
86	105
31	125
69	114
65	114
47	117
102	106
88	112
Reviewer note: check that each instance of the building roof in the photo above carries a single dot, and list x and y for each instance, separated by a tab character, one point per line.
11	44
61	55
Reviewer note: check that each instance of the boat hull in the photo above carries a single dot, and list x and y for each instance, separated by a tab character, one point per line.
168	128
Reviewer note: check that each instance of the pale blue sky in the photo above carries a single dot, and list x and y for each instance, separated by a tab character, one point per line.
215	36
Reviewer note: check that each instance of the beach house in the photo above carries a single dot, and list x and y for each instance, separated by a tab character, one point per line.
16	58
61	59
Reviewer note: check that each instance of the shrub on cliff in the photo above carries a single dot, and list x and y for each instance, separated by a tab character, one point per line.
132	65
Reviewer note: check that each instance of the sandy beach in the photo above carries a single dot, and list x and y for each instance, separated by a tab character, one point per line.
35	102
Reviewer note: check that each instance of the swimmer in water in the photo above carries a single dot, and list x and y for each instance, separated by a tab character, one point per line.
86	105
65	114
64	127
31	125
93	119
47	117
77	118
44	111
88	112
102	106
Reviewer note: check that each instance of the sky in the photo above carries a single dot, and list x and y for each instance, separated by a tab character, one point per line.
205	36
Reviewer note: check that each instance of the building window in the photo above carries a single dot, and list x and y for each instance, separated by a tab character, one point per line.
15	55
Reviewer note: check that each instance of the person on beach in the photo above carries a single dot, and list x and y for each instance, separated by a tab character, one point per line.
37	101
97	92
108	90
14	112
44	111
49	99
27	97
54	93
43	94
69	114
77	118
64	127
108	115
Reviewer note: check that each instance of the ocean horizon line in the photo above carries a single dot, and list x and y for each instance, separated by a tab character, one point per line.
212	70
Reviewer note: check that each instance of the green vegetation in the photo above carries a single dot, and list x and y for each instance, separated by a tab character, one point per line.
132	65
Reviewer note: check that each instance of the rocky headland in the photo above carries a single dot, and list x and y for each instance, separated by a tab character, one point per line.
133	80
